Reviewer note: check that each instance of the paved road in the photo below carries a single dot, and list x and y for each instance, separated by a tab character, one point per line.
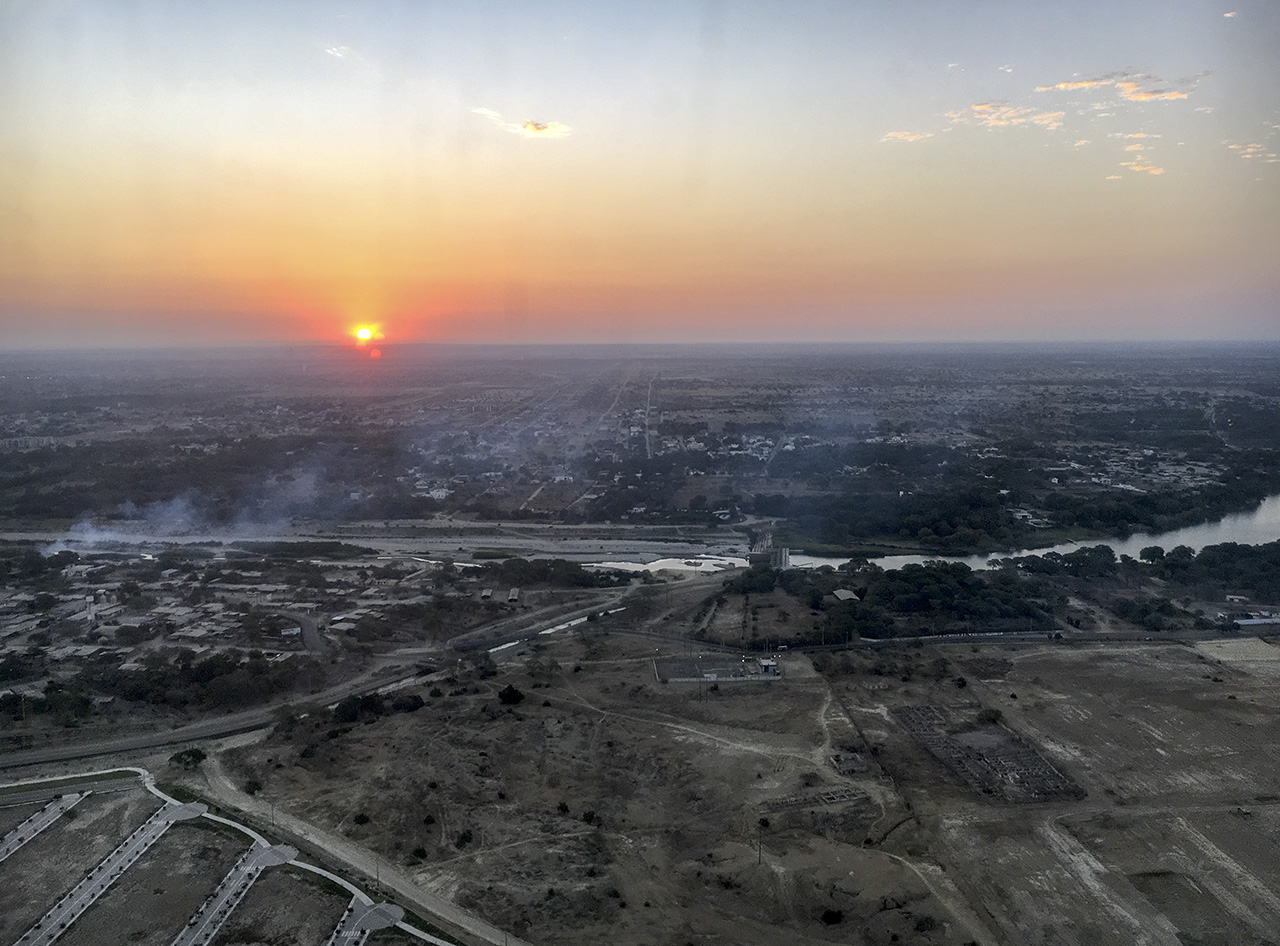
360	920
50	792
216	728
204	926
38	822
96	882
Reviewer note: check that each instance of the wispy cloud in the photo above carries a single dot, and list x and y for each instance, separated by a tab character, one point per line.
1232	13
1139	166
1131	86
1253	151
907	136
526	129
1114	177
1135	147
1073	84
996	115
1081	143
341	52
1132	91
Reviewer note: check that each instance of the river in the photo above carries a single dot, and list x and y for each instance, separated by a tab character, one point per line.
1247	528
630	554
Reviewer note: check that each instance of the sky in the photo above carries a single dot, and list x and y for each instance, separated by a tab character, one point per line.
728	170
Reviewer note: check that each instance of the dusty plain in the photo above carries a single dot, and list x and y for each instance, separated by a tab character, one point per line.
606	803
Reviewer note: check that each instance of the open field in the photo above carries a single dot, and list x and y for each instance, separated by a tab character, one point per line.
1173	842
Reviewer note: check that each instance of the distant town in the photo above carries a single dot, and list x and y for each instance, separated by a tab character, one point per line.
521	645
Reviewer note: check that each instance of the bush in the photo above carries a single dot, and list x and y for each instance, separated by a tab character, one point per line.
188	758
509	695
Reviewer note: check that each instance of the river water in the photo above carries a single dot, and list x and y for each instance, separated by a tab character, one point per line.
1247	528
1250	528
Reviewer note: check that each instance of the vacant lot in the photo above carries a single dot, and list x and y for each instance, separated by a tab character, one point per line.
13	816
34	878
285	907
1175	838
153	900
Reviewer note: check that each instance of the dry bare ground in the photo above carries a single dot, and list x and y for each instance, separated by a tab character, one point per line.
39	873
153	900
608	805
14	815
284	908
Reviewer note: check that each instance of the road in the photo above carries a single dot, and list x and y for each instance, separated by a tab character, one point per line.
95	883
648	404
360	920
38	822
204	926
216	728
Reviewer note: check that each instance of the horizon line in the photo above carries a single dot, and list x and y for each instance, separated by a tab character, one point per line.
391	346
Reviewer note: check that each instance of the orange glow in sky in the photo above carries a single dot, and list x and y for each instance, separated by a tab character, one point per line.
223	173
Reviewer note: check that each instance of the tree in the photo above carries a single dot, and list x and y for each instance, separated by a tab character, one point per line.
188	759
509	695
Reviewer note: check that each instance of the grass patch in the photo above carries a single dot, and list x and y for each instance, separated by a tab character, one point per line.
178	792
414	919
69	781
205	824
319	881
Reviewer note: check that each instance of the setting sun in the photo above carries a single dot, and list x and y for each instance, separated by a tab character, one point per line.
364	334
